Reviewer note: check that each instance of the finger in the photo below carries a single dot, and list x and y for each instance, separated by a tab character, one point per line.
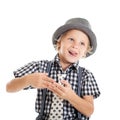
46	78
65	83
46	84
52	87
58	88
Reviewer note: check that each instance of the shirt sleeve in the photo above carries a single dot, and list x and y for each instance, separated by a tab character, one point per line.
32	67
27	69
89	85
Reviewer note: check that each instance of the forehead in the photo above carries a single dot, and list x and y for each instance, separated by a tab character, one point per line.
76	33
73	31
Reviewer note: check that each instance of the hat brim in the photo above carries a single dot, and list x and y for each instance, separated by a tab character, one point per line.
80	27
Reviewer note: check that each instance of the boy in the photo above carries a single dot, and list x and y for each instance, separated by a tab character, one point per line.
73	41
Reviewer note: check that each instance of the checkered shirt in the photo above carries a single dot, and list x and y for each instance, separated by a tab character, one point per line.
88	85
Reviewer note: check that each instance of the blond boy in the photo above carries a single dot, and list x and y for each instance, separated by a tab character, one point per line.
74	40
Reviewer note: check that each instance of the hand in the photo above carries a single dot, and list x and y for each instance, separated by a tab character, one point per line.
39	80
63	91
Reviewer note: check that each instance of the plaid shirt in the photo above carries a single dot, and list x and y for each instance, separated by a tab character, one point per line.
88	85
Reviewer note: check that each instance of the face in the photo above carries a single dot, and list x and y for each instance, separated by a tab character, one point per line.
72	46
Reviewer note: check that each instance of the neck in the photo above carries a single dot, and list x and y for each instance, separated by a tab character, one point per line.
64	64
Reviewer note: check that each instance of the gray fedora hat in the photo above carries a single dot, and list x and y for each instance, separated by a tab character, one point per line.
80	24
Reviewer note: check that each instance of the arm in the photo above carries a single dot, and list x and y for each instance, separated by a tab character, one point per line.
84	105
17	84
36	80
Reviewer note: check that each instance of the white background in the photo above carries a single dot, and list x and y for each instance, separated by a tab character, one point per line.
26	29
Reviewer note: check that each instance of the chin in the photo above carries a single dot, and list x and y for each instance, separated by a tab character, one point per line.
72	61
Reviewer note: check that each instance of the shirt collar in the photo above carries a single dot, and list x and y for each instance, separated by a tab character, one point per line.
56	60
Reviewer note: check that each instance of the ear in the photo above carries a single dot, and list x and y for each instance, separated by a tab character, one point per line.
58	45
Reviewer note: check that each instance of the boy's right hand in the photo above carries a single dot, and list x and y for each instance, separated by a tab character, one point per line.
39	80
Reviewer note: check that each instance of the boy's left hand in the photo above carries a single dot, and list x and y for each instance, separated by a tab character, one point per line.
63	91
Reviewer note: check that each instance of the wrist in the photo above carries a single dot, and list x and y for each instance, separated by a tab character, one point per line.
71	96
27	80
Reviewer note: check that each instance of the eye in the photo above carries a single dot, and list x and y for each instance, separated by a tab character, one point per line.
71	39
82	43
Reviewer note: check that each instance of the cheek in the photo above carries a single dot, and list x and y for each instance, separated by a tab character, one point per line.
61	49
82	52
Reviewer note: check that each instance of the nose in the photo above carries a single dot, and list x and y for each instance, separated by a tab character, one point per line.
76	45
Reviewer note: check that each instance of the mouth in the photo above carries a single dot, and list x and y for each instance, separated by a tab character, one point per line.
73	53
